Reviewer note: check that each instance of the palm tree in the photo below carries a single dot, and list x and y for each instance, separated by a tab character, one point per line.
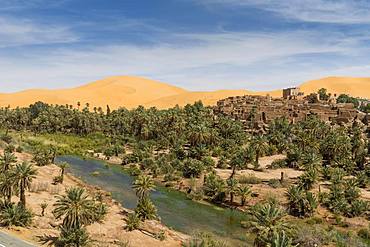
24	173
244	191
266	221
62	167
239	159
143	185
311	160
76	207
7	160
232	188
260	146
7	184
308	178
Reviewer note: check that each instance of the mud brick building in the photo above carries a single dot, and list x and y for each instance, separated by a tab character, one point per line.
259	111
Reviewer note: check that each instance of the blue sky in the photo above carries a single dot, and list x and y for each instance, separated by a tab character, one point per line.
195	44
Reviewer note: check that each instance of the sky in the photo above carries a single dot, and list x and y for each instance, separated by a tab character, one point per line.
194	44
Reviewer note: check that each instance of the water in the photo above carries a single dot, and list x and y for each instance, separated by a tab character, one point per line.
174	208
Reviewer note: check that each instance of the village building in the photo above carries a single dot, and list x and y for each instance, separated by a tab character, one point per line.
259	111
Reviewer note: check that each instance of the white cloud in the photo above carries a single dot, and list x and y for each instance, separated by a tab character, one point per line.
206	62
324	11
20	32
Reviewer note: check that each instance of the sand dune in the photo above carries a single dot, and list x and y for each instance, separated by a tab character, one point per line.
130	92
359	87
115	91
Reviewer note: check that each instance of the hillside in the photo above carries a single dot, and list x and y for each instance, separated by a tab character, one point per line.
131	92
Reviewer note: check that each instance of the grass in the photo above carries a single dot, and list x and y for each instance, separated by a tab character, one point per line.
67	144
249	179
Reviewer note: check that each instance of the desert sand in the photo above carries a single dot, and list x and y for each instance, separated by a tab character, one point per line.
130	92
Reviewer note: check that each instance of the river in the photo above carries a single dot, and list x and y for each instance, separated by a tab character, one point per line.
174	208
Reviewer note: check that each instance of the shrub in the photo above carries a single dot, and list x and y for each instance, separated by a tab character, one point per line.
222	163
192	168
7	138
208	162
249	179
274	183
146	210
10	148
19	149
74	237
132	222
203	240
57	180
314	221
134	171
161	235
311	237
364	233
15	215
281	163
301	203
100	212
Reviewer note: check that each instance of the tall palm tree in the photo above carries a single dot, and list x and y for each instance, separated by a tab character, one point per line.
76	207
260	145
143	185
24	174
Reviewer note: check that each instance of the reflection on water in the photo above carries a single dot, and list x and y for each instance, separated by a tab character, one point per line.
175	210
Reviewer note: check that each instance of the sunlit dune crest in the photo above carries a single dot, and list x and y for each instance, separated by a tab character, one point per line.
130	92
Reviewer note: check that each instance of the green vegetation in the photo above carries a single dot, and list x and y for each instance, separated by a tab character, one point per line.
184	146
77	210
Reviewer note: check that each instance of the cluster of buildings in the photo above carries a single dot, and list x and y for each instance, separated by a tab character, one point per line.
259	111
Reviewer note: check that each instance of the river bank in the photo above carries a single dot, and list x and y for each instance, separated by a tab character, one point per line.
110	232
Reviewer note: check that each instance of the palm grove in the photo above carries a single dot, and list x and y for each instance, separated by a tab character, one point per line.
191	142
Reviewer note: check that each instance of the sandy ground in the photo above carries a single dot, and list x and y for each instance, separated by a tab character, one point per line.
135	91
108	233
265	174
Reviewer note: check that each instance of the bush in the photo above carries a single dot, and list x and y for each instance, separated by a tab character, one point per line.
57	180
15	215
134	171
7	138
100	212
274	183
222	163
73	237
314	221
132	222
146	210
364	233
203	240
19	149
192	168
161	235
307	237
10	148
249	179
281	163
